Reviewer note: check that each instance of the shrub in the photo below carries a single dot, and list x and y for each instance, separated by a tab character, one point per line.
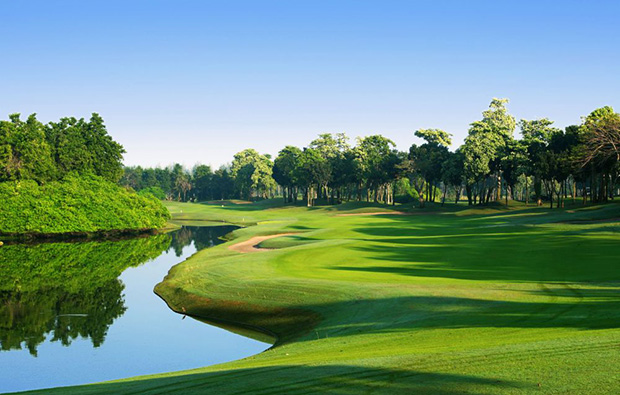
78	203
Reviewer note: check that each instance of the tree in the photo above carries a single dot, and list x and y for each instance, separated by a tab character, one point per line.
181	182
252	172
373	151
513	164
601	151
482	148
24	152
435	136
107	154
452	174
223	184
428	159
313	172
284	171
332	149
262	177
85	147
202	175
536	136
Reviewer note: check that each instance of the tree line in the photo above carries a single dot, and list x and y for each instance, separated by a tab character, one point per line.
545	164
31	150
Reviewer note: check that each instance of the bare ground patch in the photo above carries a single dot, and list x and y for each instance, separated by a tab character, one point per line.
251	245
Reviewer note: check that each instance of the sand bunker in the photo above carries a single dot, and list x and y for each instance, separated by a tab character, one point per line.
251	245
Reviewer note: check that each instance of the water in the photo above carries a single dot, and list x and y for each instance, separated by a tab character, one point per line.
76	313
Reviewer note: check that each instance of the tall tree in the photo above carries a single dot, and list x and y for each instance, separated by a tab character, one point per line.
536	137
284	171
202	177
482	148
373	151
107	154
429	158
24	152
313	171
252	172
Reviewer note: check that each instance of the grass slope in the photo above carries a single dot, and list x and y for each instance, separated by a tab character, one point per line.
490	300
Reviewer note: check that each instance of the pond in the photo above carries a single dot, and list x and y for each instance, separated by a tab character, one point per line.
82	312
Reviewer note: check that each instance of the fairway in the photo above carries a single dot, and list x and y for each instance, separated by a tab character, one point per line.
459	300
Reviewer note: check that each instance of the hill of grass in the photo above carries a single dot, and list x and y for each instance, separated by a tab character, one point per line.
484	300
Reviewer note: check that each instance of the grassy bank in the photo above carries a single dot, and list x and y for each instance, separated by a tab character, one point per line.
77	205
489	300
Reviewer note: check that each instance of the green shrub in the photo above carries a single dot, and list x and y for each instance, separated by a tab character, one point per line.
155	191
78	203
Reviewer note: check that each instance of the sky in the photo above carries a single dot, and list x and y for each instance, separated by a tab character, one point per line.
197	81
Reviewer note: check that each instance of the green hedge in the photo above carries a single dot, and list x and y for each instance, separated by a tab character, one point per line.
77	204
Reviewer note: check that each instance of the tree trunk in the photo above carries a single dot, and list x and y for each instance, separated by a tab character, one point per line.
550	198
445	191
499	189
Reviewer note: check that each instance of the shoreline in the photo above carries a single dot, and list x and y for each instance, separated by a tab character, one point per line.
112	235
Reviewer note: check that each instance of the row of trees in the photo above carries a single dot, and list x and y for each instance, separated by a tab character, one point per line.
177	183
546	163
30	150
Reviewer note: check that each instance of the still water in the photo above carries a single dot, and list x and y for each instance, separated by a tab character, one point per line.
75	313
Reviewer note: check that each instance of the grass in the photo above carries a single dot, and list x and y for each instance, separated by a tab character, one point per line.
485	300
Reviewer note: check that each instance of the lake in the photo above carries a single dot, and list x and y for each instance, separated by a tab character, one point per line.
81	312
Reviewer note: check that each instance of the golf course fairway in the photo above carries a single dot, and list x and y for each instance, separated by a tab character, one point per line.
445	301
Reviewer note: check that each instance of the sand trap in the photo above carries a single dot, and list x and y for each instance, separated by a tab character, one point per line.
250	245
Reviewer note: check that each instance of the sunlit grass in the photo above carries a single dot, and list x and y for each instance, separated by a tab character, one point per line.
442	303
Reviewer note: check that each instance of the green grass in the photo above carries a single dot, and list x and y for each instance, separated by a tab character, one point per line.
485	300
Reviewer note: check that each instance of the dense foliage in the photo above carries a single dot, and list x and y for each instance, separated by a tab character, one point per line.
547	163
60	178
78	203
176	183
30	150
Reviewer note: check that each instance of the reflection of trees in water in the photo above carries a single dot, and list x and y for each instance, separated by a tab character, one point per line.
202	236
27	317
67	290
71	290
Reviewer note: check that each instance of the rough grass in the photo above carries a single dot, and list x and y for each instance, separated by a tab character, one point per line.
492	300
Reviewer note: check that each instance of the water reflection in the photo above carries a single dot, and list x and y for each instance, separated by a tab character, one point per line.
95	300
28	317
66	290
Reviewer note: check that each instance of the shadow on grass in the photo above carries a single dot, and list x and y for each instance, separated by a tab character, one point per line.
589	308
595	310
333	379
453	248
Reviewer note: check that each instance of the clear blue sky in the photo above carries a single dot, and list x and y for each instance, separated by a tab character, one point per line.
197	81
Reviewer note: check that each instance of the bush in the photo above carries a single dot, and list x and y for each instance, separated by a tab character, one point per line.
155	191
76	204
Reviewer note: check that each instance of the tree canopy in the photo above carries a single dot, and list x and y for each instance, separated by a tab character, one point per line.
546	163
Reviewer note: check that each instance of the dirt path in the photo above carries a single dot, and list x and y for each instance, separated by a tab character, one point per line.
251	244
